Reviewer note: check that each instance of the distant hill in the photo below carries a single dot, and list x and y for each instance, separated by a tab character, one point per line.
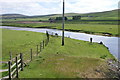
12	15
112	13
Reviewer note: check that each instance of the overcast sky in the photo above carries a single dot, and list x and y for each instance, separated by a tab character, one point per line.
43	7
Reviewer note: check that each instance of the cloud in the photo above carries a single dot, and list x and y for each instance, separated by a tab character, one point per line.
28	8
29	1
84	6
43	7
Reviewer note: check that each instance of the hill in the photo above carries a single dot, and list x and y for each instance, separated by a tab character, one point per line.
112	13
12	15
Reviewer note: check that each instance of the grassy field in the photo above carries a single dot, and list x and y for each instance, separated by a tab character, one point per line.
74	60
77	59
19	42
46	18
76	26
101	23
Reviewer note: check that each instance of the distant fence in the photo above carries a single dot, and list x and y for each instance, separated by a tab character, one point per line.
17	64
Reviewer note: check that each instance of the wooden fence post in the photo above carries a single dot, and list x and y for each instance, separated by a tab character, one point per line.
40	47
31	54
16	68
10	55
48	37
46	42
43	44
37	49
47	34
21	57
9	69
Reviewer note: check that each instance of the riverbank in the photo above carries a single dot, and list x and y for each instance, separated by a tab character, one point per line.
112	45
72	60
96	29
82	31
77	59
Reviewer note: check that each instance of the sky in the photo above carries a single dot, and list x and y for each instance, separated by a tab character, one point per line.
44	7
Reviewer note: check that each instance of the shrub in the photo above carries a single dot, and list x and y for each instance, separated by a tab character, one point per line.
103	56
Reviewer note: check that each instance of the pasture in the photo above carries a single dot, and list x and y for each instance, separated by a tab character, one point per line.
56	61
89	27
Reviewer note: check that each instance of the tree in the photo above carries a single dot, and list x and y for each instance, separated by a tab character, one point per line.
60	18
76	17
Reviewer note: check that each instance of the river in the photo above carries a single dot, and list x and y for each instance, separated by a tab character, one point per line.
110	42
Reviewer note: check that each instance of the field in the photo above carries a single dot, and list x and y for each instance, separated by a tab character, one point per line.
19	42
16	42
77	59
100	23
56	61
76	26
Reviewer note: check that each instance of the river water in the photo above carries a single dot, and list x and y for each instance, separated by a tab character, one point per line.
110	42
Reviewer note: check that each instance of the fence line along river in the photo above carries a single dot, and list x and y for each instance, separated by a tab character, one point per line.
110	42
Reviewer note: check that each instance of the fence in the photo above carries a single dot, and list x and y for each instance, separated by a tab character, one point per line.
4	70
17	64
14	66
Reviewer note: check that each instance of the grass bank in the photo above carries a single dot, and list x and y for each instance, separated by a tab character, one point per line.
19	42
75	26
16	42
76	59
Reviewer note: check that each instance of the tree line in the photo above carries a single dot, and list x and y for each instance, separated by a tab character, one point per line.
60	18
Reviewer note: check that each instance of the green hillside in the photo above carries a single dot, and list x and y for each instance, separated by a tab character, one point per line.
12	15
112	13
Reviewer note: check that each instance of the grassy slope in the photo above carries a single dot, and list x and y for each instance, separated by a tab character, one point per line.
112	13
19	41
59	66
75	59
109	15
22	41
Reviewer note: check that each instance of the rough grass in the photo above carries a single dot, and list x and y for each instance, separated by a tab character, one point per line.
59	66
77	48
88	27
19	42
76	59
